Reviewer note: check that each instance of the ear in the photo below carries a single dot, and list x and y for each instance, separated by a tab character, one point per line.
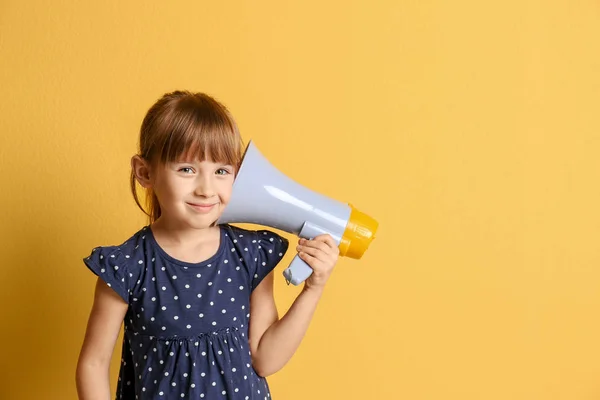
141	171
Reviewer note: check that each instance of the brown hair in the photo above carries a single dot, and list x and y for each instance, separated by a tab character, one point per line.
186	124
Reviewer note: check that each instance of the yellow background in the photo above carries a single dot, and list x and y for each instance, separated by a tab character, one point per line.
469	129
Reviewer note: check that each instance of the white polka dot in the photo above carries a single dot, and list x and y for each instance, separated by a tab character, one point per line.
176	318
188	306
188	326
201	315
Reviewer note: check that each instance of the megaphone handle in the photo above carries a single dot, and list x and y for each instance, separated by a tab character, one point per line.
299	271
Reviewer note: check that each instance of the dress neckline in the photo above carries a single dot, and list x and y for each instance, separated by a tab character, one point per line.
206	263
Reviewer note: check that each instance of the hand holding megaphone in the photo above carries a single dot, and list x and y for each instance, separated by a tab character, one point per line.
263	195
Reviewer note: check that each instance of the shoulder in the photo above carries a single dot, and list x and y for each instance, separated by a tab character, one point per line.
249	236
119	266
119	255
261	249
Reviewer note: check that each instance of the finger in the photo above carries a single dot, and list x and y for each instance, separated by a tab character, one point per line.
322	243
319	241
311	250
327	239
307	258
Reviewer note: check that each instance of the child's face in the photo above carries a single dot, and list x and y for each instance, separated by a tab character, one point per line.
193	193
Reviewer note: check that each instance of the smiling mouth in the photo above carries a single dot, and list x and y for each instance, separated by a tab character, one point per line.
201	207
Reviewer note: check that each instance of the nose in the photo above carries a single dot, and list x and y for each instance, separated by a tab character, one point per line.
204	186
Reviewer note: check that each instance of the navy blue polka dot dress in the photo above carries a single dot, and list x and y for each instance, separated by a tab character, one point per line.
186	329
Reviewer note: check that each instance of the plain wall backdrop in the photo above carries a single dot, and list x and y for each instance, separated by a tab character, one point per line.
468	129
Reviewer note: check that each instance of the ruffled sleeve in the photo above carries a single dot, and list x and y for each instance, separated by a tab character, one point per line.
270	249
109	264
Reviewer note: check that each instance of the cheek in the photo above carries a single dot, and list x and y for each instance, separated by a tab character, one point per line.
168	190
226	189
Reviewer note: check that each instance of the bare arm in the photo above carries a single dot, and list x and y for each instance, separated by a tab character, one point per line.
103	328
274	341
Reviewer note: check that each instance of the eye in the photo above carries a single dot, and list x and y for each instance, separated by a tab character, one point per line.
186	170
222	171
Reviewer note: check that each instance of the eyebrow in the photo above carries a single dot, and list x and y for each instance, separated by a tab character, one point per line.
222	164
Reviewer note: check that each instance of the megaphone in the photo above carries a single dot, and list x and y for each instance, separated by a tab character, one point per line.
263	195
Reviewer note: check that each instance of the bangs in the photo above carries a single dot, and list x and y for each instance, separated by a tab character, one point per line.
199	128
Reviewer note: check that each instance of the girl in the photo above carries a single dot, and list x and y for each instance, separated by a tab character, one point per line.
196	298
